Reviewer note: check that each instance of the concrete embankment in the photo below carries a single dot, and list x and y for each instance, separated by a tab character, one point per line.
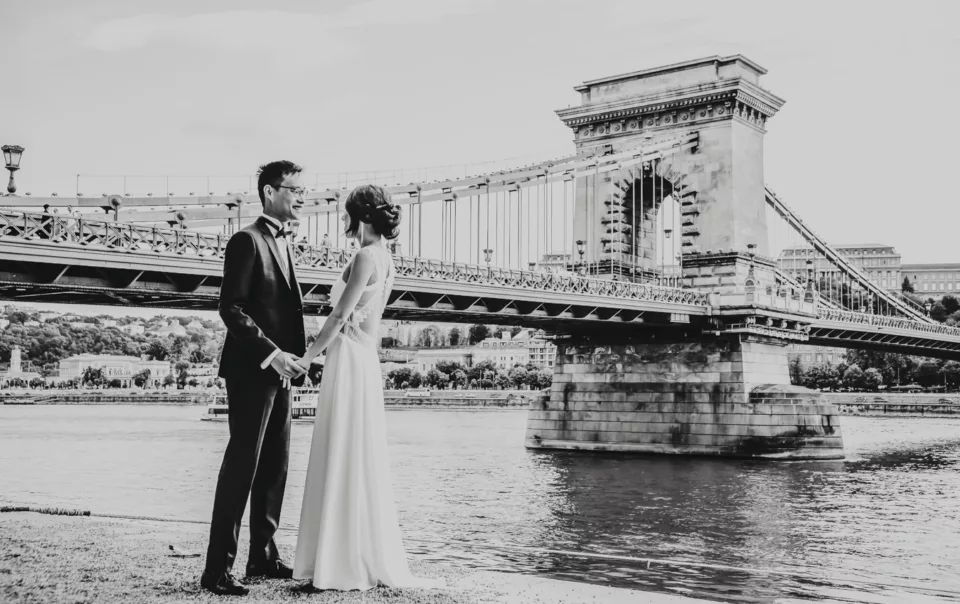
896	404
454	399
81	560
45	397
464	399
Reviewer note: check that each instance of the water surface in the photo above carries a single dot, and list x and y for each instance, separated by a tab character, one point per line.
882	526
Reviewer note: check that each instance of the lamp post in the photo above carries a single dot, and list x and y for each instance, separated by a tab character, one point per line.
488	256
663	253
11	156
581	249
927	306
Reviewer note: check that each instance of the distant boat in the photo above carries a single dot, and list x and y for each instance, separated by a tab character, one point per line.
303	406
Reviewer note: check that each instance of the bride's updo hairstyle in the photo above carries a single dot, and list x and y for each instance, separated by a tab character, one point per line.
372	204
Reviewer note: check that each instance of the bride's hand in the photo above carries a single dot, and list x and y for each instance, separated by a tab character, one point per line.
304	364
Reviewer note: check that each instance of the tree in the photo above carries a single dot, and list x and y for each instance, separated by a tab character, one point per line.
181	369
514	331
518	376
429	337
478	333
93	376
198	356
951	373
157	350
928	374
455	336
796	371
315	373
906	287
544	379
459	378
938	312
114	383
822	377
400	375
141	378
416	380
169	379
853	377
872	380
894	368
950	304
192	382
436	379
180	347
482	370
448	368
37	383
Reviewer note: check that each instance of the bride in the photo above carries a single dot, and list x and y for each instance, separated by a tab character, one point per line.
349	531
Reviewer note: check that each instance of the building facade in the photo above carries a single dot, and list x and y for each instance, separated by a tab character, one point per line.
115	367
934	280
16	370
427	358
879	262
816	355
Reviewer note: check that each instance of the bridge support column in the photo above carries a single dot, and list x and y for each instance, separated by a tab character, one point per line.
728	396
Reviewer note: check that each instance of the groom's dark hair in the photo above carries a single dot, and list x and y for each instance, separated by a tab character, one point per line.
273	174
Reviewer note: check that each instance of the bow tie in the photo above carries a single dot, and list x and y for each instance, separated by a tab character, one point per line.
283	233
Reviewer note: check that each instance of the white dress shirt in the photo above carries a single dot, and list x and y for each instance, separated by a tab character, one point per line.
285	265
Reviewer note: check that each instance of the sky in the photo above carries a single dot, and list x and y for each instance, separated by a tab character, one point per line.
861	150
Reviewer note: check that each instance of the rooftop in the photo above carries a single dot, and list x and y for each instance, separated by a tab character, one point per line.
716	60
934	266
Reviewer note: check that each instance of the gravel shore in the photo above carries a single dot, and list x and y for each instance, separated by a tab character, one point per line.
79	560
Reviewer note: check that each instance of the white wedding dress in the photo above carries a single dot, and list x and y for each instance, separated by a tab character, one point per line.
349	530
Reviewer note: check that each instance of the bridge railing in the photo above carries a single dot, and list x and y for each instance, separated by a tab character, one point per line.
846	316
131	237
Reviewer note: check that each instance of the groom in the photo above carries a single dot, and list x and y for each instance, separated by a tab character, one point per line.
261	305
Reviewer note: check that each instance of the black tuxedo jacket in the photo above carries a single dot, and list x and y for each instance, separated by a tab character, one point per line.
260	307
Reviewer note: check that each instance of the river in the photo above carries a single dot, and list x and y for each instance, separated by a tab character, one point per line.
882	526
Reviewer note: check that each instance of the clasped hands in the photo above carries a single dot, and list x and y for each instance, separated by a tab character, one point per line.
289	367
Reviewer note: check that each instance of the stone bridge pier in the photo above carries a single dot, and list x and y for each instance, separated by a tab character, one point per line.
722	388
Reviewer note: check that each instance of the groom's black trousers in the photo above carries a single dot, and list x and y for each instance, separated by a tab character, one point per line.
254	465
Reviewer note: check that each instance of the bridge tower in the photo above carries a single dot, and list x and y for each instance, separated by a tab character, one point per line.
722	388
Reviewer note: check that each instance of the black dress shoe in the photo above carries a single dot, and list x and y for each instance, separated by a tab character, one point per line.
273	569
223	585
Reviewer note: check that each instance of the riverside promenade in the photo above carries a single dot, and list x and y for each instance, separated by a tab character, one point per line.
84	560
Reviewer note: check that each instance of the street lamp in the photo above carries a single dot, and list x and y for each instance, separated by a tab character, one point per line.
533	265
11	155
663	253
488	256
581	249
928	306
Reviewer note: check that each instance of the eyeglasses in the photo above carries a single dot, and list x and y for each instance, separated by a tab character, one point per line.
298	191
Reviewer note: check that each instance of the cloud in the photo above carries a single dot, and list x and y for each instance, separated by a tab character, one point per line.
271	30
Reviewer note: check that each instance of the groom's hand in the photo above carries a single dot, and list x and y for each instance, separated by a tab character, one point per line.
286	366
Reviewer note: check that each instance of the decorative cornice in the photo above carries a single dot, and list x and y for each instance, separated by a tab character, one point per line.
725	92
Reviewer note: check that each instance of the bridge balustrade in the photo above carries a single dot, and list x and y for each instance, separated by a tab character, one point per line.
136	238
846	316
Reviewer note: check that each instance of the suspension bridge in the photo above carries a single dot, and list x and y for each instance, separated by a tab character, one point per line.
650	251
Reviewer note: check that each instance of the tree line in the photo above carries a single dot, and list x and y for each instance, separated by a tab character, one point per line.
868	370
484	375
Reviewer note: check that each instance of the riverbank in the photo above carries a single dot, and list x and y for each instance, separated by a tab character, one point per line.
457	399
895	404
81	560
